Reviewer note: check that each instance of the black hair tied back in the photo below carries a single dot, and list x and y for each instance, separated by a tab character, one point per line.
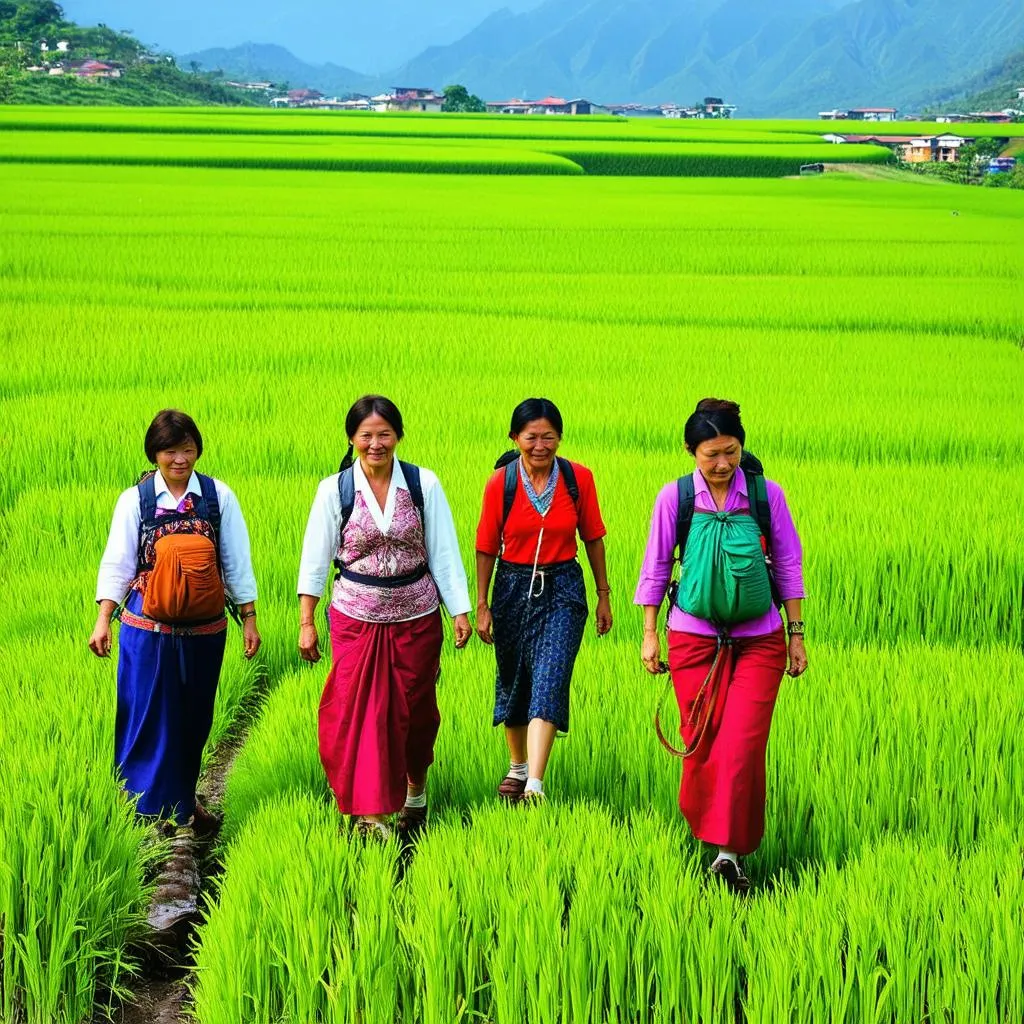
713	417
363	408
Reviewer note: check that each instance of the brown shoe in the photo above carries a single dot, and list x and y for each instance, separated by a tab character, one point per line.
511	789
732	876
411	822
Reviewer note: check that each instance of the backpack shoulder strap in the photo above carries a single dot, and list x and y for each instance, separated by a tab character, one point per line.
509	494
212	502
762	511
684	512
147	498
569	474
757	494
412	481
347	495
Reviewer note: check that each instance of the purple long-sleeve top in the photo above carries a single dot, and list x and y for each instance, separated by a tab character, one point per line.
656	573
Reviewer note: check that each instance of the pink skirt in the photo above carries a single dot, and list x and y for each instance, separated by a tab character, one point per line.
378	714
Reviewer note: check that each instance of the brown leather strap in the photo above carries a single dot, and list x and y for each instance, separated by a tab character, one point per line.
703	706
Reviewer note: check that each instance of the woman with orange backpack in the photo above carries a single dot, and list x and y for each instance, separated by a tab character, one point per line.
740	558
177	555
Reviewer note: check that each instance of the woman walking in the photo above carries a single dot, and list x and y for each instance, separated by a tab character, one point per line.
727	651
387	525
534	506
178	547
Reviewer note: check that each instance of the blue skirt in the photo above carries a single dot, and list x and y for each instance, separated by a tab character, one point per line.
166	688
536	640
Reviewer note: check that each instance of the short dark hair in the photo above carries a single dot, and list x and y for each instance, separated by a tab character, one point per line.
531	409
712	418
171	427
362	408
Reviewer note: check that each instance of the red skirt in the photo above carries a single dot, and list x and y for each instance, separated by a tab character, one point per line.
722	792
378	713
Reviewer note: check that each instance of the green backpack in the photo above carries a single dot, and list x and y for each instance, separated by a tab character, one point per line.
725	556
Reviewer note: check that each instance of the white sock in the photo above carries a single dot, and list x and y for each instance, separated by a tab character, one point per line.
727	855
416	801
534	786
518	770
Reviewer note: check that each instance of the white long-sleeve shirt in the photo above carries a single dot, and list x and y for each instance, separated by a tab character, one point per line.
323	531
120	559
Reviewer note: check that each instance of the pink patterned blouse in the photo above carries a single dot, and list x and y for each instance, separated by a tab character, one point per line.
364	549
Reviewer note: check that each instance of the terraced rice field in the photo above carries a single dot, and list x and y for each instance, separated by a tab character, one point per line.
873	333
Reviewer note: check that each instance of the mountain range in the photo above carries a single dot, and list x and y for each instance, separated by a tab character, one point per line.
770	57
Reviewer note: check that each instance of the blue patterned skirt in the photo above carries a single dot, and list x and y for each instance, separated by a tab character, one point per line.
536	640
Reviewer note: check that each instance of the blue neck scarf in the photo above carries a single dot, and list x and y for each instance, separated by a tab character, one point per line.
541	502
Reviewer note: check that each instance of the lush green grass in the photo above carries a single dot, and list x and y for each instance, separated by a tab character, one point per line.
874	341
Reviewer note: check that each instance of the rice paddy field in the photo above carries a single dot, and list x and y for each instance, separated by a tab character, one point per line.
262	271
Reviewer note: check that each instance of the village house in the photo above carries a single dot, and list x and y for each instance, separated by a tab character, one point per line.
944	149
404	97
548	105
93	69
860	114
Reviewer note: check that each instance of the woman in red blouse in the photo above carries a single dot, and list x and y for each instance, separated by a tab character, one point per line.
534	506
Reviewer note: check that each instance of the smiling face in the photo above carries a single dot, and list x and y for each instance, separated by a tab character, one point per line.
374	441
718	458
175	463
537	442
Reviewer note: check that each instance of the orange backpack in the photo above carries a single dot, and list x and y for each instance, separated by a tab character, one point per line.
184	584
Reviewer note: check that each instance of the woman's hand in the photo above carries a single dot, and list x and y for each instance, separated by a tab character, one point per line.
485	624
309	642
463	630
797	656
251	637
650	652
99	642
603	614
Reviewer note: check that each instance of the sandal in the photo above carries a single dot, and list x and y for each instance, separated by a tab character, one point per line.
368	828
511	789
411	822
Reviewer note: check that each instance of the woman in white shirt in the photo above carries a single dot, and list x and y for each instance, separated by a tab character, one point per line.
389	529
178	548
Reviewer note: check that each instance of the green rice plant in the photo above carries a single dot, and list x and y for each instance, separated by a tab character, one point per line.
709	159
873	341
73	855
257	152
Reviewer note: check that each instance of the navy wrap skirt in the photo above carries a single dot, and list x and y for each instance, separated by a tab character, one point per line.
536	639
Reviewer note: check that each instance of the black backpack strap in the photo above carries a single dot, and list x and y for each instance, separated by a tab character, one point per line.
684	512
412	481
509	496
147	514
347	497
212	503
569	475
757	495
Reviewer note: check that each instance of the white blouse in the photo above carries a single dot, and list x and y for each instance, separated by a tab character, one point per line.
120	559
323	532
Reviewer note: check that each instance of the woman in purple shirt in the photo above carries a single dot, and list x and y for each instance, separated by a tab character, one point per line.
726	679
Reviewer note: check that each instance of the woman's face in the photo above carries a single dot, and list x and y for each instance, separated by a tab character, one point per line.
718	458
375	440
175	463
537	442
